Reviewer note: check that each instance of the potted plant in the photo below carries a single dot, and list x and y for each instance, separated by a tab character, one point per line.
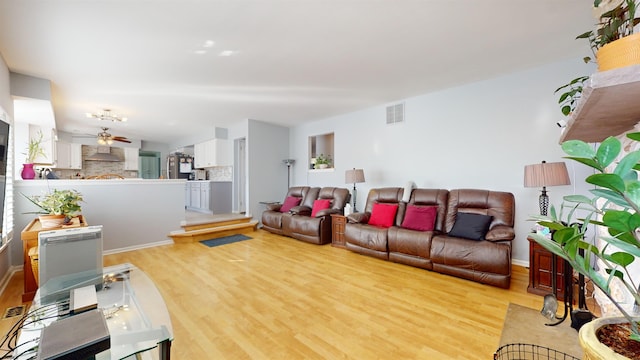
57	208
34	149
614	43
613	211
323	162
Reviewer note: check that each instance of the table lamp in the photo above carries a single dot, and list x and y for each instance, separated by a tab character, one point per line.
352	177
545	174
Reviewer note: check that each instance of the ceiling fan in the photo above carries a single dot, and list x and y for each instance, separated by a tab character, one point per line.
105	138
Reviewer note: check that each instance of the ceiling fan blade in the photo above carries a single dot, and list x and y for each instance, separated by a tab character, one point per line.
121	139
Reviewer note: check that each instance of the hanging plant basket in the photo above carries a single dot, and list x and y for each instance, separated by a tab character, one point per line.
620	53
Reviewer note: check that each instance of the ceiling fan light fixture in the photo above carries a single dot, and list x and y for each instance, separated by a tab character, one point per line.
106	114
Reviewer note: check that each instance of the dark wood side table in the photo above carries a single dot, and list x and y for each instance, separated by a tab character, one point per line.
337	229
540	261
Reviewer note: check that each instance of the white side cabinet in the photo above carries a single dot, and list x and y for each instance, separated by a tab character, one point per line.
131	156
68	155
212	153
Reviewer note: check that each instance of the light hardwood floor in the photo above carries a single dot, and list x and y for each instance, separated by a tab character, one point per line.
273	297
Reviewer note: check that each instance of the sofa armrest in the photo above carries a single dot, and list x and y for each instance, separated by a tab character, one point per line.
500	233
358	218
301	210
326	212
274	206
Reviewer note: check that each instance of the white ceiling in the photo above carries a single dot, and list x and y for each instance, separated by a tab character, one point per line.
296	61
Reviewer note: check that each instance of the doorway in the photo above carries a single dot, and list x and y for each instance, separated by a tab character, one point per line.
240	175
149	164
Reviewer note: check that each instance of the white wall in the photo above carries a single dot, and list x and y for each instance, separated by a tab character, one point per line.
267	146
479	135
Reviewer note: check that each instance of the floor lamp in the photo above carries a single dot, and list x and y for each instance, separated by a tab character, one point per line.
352	177
288	162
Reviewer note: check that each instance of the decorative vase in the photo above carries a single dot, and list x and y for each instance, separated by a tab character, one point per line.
322	166
51	221
592	347
619	53
27	172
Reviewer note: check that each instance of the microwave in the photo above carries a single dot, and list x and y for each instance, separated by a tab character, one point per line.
201	174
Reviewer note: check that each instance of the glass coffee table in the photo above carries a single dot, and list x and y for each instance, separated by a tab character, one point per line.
136	315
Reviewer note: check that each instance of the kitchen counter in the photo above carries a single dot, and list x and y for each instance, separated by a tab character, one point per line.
135	213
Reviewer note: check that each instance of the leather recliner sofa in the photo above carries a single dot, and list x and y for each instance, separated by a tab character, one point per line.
298	222
272	217
486	260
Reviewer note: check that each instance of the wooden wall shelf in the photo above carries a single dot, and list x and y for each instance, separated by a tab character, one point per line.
609	106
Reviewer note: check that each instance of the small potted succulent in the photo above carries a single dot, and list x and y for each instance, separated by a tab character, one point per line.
57	208
323	162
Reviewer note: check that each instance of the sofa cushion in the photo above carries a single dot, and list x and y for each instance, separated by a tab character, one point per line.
320	204
471	226
290	202
383	214
420	218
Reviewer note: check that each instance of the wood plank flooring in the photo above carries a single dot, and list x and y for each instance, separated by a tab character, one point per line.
273	297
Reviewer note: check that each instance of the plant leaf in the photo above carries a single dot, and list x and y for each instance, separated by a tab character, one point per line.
608	181
608	151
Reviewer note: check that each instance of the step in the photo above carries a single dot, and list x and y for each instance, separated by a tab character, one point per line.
214	223
190	236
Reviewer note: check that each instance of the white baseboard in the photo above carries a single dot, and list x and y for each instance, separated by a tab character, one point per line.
522	263
137	247
7	277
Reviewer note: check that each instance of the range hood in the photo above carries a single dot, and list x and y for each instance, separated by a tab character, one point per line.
103	154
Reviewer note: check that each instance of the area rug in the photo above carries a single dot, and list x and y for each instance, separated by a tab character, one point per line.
225	240
527	326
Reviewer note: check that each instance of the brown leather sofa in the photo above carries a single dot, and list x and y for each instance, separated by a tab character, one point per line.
272	217
298	222
486	260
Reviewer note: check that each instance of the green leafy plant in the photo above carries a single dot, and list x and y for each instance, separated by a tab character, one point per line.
572	93
616	20
57	202
34	149
321	159
614	207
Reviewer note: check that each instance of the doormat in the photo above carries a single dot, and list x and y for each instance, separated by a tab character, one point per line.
523	325
13	312
225	240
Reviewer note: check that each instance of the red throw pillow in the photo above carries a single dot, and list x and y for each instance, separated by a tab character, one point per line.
383	214
420	218
289	202
320	205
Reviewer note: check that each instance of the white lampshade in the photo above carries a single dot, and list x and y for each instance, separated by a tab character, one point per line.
354	176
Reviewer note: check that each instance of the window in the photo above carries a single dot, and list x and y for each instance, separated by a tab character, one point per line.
321	154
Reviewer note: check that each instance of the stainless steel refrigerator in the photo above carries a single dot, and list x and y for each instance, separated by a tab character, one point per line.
179	166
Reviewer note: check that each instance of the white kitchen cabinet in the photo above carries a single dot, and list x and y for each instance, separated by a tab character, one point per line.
68	155
131	156
194	190
213	197
212	153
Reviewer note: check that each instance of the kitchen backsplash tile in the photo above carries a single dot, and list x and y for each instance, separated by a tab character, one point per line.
93	168
221	173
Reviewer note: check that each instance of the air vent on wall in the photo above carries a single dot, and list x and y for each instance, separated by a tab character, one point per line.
395	113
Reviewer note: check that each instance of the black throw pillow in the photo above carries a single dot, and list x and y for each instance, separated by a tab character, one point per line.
471	226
